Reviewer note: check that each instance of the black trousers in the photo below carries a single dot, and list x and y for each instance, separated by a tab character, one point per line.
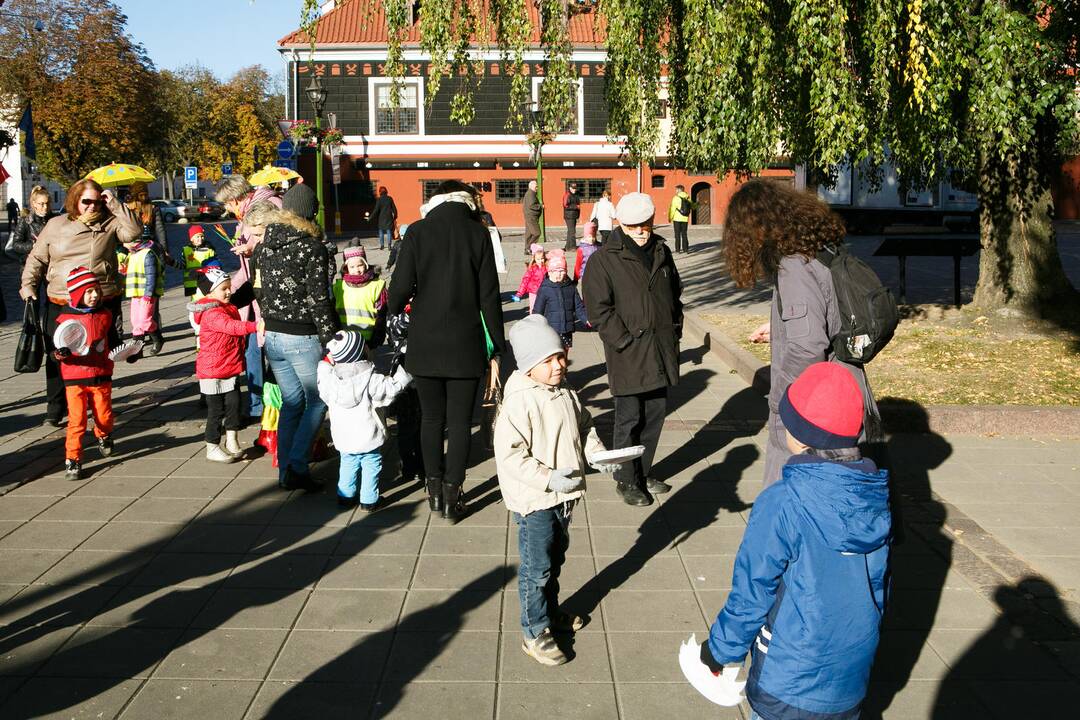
604	235
407	409
571	232
446	404
682	242
638	421
222	407
56	399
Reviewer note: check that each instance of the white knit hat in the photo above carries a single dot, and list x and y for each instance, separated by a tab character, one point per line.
635	209
534	341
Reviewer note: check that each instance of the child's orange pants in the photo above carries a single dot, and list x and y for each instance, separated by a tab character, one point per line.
81	398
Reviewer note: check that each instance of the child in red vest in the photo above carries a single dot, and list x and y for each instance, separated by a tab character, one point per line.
220	362
86	369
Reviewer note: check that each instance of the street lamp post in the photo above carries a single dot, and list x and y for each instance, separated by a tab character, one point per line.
317	96
537	140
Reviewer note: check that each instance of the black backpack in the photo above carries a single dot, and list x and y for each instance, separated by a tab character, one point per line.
868	313
684	207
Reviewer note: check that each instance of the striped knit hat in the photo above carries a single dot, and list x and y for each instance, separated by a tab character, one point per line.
346	347
356	251
79	280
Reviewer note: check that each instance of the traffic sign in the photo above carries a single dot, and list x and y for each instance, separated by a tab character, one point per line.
226	168
191	177
290	163
286	150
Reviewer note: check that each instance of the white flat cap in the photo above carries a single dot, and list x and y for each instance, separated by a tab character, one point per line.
635	208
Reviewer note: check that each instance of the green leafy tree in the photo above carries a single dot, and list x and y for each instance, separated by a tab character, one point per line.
984	87
90	85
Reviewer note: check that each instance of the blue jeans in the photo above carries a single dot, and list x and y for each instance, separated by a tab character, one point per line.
294	360
253	361
543	538
365	465
388	234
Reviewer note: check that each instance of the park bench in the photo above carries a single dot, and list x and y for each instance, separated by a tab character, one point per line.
952	245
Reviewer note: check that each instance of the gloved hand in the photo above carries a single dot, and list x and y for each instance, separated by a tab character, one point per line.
515	298
605	467
562	481
61	353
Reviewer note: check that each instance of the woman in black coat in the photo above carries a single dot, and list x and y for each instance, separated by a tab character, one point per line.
446	269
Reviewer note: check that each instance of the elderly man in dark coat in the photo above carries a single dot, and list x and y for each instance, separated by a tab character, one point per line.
632	294
531	209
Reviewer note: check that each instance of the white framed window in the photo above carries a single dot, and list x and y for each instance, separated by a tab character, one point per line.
576	122
407	118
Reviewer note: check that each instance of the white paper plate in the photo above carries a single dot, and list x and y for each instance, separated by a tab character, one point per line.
125	350
724	689
71	334
620	455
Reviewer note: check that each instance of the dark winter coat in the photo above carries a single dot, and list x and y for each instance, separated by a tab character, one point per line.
222	337
26	233
571	204
638	313
531	207
560	305
290	277
385	212
447	268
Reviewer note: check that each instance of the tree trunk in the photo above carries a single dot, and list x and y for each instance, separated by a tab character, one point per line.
1019	267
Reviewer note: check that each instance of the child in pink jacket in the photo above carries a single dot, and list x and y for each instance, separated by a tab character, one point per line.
535	272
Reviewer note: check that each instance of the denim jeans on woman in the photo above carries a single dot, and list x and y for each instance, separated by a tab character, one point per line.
294	359
543	538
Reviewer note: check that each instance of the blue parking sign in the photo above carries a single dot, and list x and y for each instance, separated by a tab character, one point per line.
191	177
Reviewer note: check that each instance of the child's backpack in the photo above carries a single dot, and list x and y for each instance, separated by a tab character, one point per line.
868	313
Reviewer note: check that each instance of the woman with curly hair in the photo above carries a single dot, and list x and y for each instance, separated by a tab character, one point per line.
774	232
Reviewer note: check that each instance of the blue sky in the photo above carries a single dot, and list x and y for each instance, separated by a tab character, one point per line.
222	35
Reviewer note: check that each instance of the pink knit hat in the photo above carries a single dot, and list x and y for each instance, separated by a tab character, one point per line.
557	261
356	251
536	248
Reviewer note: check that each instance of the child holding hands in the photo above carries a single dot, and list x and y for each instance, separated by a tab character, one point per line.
542	436
220	362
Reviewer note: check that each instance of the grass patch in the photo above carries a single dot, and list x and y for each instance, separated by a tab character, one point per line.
952	357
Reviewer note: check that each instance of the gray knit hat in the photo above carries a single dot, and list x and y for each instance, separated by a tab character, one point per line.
300	200
534	341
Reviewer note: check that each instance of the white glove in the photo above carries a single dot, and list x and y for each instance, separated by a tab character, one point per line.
563	481
605	467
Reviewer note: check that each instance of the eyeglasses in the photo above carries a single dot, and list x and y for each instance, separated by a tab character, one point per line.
86	201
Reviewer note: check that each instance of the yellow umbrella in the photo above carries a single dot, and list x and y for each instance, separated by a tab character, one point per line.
269	175
117	174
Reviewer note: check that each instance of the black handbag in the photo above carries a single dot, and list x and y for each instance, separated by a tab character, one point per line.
31	348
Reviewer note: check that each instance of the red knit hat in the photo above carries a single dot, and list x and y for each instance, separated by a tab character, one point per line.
194	230
823	408
79	280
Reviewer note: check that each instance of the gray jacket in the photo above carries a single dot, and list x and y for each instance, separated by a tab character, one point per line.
531	207
799	335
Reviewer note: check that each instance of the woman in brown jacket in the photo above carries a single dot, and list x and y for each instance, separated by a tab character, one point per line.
87	233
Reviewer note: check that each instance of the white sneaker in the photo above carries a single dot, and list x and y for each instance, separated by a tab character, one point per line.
232	443
215	453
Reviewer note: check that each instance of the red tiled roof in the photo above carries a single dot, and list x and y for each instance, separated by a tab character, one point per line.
361	22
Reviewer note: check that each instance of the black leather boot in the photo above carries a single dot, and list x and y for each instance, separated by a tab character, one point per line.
631	494
453	505
435	494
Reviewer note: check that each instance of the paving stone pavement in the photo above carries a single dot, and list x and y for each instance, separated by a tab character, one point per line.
164	586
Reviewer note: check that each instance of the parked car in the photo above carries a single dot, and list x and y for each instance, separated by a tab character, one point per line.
189	211
169	209
211	210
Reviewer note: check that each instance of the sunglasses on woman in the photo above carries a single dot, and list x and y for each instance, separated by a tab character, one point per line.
86	201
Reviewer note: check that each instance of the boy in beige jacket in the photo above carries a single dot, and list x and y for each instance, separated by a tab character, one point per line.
542	437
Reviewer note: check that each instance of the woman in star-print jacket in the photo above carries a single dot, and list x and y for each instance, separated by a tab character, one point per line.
290	272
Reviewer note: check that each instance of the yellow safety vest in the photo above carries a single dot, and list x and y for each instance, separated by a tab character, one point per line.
356	306
193	259
136	274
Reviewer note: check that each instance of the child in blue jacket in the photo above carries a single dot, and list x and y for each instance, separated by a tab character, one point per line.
558	301
810	581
